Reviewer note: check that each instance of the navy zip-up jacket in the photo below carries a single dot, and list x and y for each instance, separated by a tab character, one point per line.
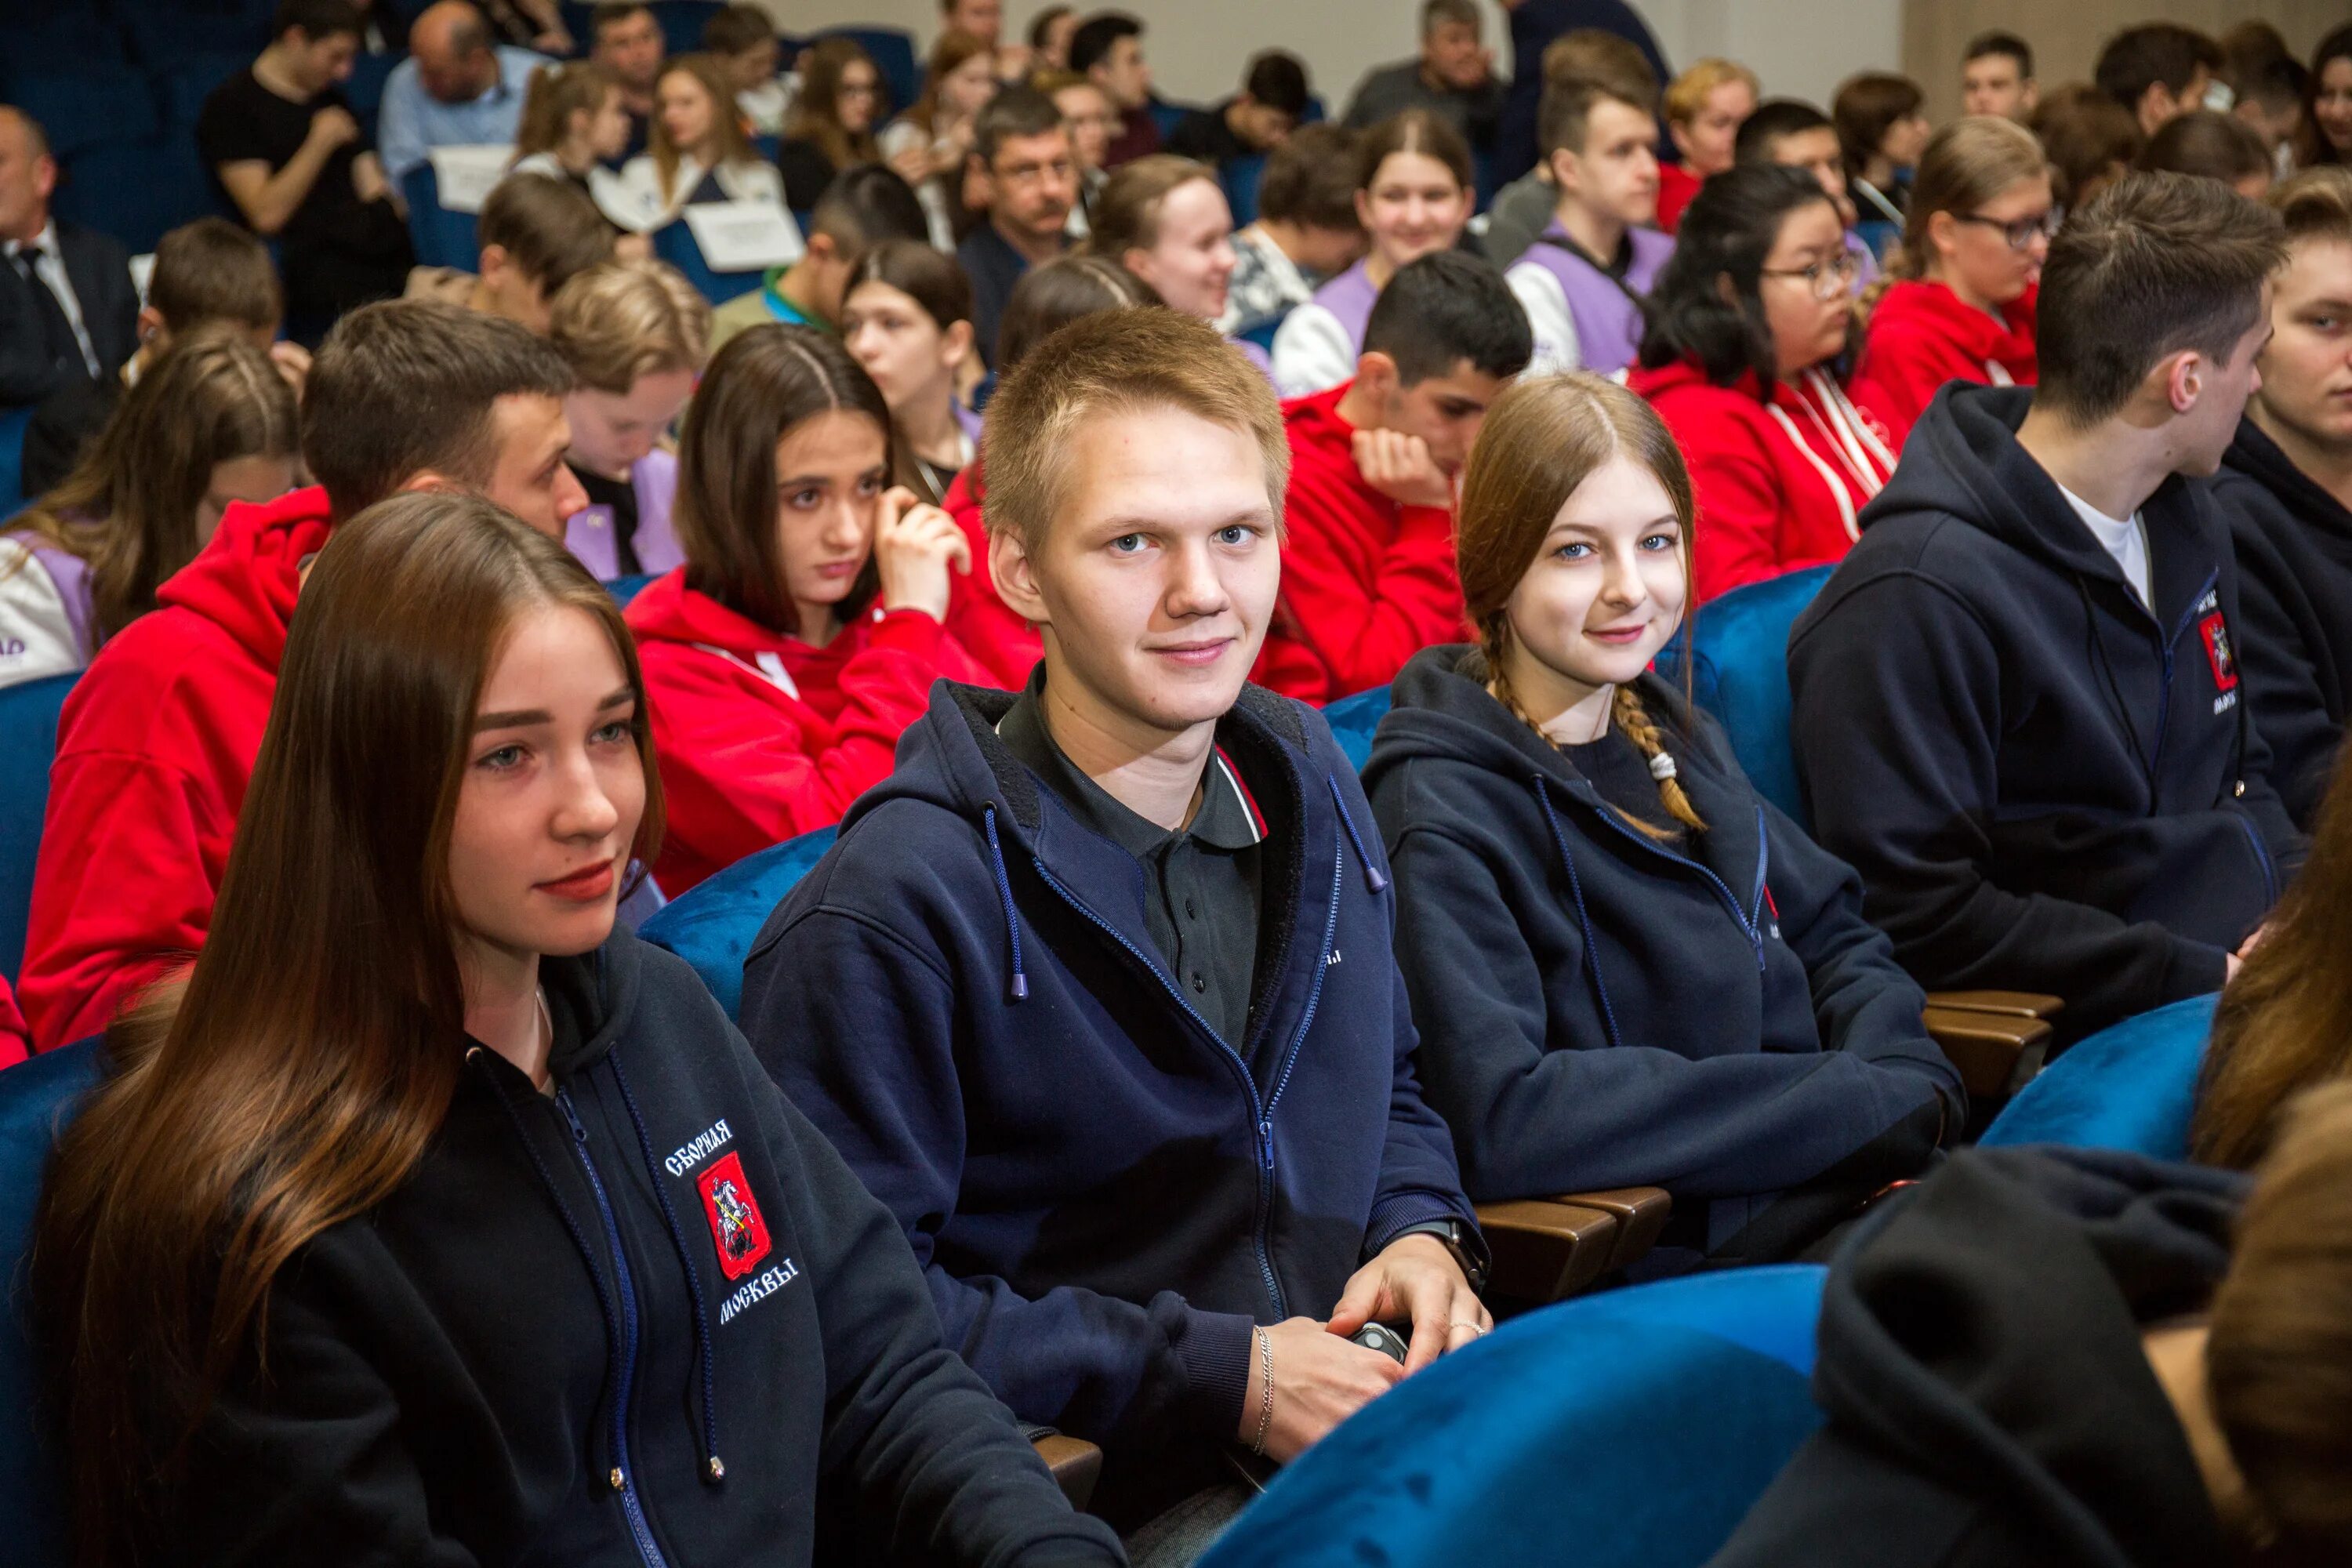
2046	785
2294	543
963	994
649	1319
1601	1010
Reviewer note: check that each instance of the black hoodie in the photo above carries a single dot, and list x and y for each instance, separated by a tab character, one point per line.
1990	1404
1601	1010
2294	564
2046	785
650	1320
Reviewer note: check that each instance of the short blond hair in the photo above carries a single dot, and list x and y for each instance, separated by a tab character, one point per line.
628	318
1686	95
1115	362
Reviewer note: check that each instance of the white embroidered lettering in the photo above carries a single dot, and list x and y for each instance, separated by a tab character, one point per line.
759	1288
705	1144
2223	703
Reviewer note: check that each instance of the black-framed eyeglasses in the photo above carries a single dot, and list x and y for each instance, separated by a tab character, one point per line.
2020	234
1827	279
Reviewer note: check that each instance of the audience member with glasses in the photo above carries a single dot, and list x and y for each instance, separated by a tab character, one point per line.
831	126
1746	323
1968	272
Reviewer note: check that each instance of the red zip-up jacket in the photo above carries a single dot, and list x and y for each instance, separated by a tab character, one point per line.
763	737
1921	335
155	747
16	1041
1779	485
1677	187
977	617
1365	582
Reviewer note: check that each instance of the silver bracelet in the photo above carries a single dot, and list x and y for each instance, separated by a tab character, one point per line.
1265	1400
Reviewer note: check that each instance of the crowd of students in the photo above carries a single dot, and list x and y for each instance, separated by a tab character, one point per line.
1129	1054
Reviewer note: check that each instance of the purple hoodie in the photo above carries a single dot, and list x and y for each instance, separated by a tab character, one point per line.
588	533
1607	322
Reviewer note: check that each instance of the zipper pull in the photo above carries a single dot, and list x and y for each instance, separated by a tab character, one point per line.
579	1132
1266	1142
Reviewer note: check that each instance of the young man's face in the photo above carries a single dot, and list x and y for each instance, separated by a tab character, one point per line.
1992	84
1086	110
1157	576
1445	411
1262	127
1617	171
2160	104
2306	369
1454	55
631	49
983	20
1816	153
1122	74
529	477
318	64
1036	181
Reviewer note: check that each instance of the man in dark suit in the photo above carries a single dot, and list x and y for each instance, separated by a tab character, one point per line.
68	309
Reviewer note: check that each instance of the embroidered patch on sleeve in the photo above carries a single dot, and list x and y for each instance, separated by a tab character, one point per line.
736	1225
2216	632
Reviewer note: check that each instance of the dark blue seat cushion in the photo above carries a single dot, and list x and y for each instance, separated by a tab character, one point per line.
2131	1087
1354	718
28	717
711	926
1739	673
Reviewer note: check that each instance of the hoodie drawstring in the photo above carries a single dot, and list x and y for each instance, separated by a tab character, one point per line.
1019	989
714	1469
1576	891
1374	878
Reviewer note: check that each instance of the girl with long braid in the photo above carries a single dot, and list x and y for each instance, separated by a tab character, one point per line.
1627	968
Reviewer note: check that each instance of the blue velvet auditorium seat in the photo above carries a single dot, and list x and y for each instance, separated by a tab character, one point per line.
2131	1087
1739	673
441	238
1628	1430
1353	720
674	243
12	422
28	719
711	926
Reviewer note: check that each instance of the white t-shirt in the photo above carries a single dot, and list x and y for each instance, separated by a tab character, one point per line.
2124	538
1557	346
1313	351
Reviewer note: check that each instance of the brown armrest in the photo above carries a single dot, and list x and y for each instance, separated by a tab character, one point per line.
1642	1214
1077	1465
1548	1249
1995	1053
2011	1003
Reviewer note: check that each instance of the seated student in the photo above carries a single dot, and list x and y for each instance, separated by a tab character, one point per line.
697	152
1049	38
1368	523
1163	881
866	207
1793	133
2213	145
1748	324
1307	230
211	423
1021	153
1596	1010
2091	140
907	320
1583	280
1414	187
208	272
2156	71
2267	86
1997	77
412	1074
458	88
2285	486
1882	131
1453	76
2017	704
1967	276
157	740
2082	1359
637	334
742	39
803	633
68	307
573	125
626	39
1106	48
1704	108
831	126
1164	218
1257	119
2327	101
930	144
536	235
1086	110
1522	209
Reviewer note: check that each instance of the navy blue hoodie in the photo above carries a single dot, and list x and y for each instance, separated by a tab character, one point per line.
650	1319
2046	785
2294	562
964	995
1990	1404
1601	1010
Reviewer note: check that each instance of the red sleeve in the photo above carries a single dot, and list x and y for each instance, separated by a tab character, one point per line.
1002	646
16	1040
1362	633
1899	373
132	857
1740	504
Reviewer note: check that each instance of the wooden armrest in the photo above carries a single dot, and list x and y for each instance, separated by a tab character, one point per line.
1642	1214
2010	1004
1995	1053
1545	1250
1077	1465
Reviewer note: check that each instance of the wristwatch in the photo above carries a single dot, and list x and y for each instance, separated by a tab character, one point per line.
1455	1237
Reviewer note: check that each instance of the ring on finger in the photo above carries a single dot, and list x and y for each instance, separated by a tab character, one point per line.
1478	1328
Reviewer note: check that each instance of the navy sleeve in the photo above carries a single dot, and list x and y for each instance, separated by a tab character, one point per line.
2280	672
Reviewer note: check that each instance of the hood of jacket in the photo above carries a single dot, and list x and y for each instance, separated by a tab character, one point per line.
245	580
1921	305
2253	454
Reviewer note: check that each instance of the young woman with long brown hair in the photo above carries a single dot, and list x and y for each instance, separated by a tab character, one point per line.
209	423
830	125
696	148
930	144
430	1219
1628	969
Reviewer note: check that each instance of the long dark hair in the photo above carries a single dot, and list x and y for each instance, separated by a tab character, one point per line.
292	1078
1727	231
2316	149
816	112
764	382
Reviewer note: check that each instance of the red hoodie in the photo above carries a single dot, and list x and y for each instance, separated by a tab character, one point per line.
1677	187
1001	641
1922	336
1779	485
1366	583
763	737
16	1040
155	746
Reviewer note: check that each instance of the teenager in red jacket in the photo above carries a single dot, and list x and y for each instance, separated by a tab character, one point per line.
1782	460
802	636
157	741
1971	272
1368	547
1704	107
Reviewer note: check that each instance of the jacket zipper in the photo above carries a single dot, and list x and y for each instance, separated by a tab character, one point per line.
2262	857
630	1506
2164	708
1751	926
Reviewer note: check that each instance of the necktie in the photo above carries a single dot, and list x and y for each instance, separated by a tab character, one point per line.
56	331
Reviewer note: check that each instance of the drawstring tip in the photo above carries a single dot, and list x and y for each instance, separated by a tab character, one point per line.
1020	986
1373	877
718	1470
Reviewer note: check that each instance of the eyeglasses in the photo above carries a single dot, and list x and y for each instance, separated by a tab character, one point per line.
1827	279
2022	233
858	89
